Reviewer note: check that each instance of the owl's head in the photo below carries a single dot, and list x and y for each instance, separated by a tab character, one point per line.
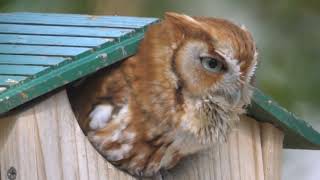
209	62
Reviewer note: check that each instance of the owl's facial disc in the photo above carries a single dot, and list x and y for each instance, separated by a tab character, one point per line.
204	69
213	90
213	61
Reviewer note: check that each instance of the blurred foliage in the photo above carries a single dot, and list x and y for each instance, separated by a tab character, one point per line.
292	52
287	33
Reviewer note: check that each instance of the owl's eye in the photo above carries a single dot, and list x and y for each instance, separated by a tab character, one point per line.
212	64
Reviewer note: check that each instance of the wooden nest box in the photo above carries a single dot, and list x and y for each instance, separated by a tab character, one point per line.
41	139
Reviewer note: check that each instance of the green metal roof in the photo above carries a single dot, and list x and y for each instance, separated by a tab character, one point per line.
298	133
41	52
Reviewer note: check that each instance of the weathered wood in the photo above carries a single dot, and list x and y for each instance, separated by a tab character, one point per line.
52	40
271	141
20	69
10	80
44	142
239	158
30	60
41	50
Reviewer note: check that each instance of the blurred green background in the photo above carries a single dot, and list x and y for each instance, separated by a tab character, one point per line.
287	33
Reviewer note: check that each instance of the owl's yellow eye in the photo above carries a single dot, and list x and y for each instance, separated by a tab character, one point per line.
212	64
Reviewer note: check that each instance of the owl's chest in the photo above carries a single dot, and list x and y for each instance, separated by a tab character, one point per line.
182	145
148	157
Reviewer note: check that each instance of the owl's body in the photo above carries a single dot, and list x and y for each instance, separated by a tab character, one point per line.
182	92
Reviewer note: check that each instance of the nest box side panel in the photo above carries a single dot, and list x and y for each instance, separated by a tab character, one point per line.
239	158
44	142
272	140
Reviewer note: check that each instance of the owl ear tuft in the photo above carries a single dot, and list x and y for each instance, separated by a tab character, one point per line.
181	20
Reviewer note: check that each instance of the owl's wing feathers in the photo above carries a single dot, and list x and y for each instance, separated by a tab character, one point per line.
101	97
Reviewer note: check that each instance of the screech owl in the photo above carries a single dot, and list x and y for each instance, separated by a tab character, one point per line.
182	92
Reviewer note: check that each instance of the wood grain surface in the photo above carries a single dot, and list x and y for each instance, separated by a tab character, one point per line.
44	142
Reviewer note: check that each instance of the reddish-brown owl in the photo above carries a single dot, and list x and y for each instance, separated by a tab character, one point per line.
182	92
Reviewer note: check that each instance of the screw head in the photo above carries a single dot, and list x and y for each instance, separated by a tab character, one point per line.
12	173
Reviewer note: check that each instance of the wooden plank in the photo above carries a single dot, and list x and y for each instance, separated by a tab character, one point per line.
42	50
63	30
11	80
45	142
30	60
75	20
272	140
17	149
52	40
22	70
249	147
239	158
